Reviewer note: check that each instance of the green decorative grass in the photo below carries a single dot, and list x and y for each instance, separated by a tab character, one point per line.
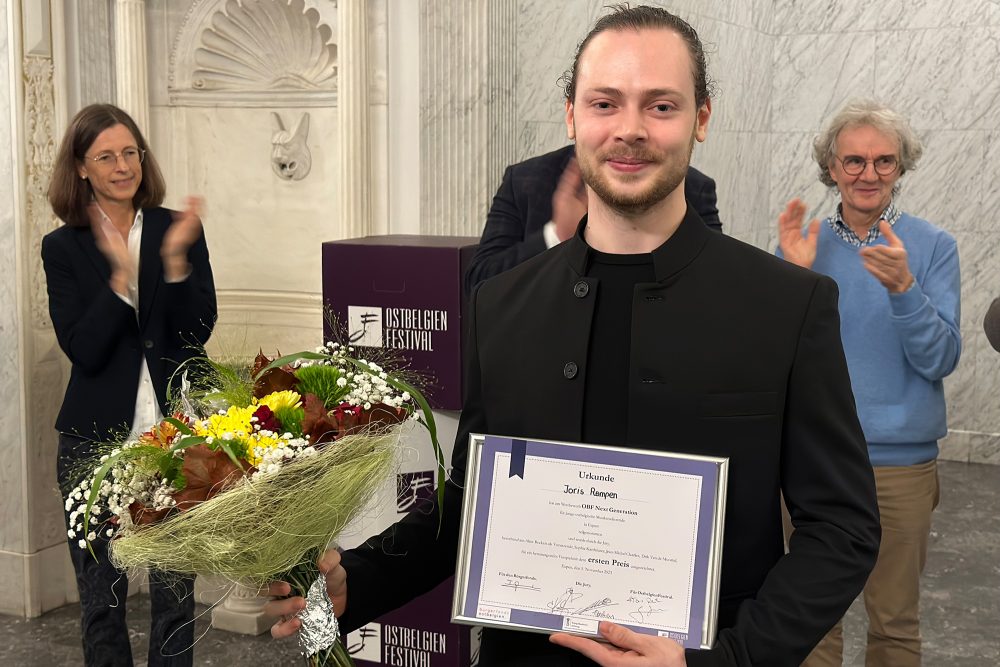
216	383
321	381
259	529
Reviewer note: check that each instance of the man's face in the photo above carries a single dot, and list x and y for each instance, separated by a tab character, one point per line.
866	194
634	117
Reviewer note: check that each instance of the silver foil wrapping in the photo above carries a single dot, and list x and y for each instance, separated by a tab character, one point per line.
319	624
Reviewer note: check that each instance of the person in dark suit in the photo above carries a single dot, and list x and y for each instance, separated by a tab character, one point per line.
624	336
539	204
131	296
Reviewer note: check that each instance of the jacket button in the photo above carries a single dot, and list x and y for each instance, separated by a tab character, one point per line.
148	344
570	370
581	289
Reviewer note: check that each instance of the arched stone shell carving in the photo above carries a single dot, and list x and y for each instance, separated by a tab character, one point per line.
263	44
256	53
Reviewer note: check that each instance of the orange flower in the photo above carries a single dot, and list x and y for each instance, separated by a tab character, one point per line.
162	435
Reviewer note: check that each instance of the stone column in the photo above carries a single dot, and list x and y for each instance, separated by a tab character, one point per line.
355	135
35	573
131	87
467	61
92	65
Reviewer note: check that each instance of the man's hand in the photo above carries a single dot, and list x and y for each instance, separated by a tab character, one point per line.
888	263
569	202
287	608
180	236
627	648
797	249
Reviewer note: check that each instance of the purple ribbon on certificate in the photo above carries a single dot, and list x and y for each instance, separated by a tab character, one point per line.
518	450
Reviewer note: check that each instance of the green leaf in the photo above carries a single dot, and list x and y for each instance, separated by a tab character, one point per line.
189	441
427	420
287	359
179	425
228	449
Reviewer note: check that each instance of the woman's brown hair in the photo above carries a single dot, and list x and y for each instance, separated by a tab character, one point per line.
69	194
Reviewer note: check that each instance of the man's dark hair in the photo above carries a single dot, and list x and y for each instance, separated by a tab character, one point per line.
643	17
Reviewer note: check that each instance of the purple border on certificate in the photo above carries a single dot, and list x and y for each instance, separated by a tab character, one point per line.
707	470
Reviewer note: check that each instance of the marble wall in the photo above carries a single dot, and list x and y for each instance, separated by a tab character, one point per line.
782	67
934	60
739	52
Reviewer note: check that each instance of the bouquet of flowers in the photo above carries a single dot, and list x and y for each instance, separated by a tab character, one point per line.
257	470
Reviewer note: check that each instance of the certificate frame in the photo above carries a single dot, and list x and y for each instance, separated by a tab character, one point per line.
507	478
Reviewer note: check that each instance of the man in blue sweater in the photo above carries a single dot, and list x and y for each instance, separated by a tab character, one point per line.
899	307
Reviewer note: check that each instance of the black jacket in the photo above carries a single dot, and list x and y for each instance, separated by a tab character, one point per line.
735	353
104	338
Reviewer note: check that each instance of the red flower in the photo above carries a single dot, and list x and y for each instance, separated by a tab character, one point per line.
266	419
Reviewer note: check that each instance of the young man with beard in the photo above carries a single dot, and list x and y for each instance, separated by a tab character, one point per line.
607	339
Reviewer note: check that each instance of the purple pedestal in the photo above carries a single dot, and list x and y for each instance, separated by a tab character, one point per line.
404	292
419	633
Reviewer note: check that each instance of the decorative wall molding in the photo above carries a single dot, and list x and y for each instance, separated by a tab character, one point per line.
39	153
255	53
354	153
291	159
273	302
282	321
131	69
94	57
467	92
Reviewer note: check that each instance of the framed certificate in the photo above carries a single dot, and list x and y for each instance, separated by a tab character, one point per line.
558	536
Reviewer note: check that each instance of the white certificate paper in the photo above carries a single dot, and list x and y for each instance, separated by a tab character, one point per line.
558	536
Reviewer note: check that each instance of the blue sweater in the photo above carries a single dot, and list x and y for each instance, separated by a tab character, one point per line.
899	347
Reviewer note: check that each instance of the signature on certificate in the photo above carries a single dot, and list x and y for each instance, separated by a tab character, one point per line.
644	608
564	600
596	608
516	585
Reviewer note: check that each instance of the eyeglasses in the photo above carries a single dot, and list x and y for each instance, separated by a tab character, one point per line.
855	165
108	160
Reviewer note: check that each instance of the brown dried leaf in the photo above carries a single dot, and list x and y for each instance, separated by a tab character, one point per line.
207	472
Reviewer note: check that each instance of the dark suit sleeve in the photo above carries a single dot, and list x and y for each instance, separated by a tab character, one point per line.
88	330
191	303
991	324
829	488
700	191
504	243
417	553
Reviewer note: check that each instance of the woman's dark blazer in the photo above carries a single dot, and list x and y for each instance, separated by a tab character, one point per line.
106	340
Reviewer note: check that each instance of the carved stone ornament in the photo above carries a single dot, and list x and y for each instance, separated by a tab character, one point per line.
40	150
290	156
255	53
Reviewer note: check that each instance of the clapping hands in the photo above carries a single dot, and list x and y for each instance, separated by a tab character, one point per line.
795	247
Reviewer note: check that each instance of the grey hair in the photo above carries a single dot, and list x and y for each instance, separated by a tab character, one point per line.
877	115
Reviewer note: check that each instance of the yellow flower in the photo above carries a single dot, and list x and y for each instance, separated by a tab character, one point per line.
281	399
264	442
235	422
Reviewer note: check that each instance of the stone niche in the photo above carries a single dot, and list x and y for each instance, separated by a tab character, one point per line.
247	116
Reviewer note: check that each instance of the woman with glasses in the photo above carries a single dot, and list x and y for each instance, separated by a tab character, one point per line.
899	307
130	295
